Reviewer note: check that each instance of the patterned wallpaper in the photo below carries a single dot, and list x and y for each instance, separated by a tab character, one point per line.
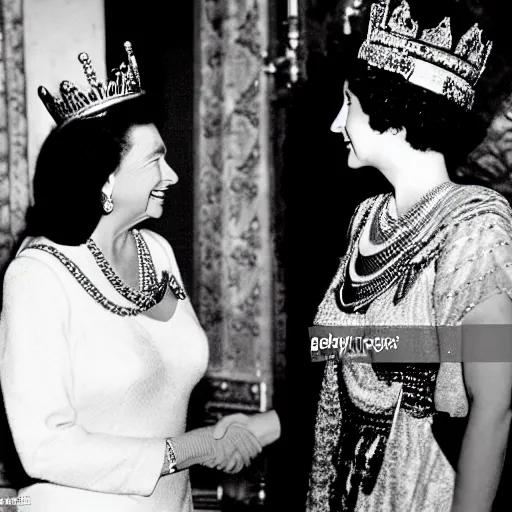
235	270
14	180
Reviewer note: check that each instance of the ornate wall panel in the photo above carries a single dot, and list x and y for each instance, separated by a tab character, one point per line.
234	275
14	183
14	180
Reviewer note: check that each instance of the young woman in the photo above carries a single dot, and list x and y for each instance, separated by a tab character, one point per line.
432	253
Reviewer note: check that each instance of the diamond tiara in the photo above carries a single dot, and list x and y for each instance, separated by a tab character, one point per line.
392	44
76	103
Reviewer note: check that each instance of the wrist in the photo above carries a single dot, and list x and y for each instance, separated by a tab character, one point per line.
265	426
194	447
170	456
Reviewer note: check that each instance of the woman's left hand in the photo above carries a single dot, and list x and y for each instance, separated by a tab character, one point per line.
220	429
265	426
236	449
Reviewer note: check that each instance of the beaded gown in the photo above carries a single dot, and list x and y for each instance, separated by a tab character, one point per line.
374	452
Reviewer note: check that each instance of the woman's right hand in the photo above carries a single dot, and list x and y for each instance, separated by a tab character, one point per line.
228	447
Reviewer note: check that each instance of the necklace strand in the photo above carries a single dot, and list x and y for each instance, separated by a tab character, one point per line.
366	277
86	283
151	290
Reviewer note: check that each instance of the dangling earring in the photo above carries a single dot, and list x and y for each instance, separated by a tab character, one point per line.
106	195
107	203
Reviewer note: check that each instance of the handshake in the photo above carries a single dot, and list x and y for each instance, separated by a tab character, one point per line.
240	438
230	445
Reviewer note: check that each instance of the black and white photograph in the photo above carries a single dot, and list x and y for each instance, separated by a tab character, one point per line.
255	256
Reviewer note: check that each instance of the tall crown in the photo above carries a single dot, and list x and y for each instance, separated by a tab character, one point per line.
76	103
392	44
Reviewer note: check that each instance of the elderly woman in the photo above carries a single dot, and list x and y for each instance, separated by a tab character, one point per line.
432	253
100	347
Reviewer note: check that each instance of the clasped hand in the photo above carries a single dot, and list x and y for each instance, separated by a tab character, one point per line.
234	447
239	439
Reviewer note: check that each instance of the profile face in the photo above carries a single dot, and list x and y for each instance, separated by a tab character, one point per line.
352	122
143	175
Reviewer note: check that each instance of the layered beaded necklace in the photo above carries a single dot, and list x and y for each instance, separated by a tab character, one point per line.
392	244
151	290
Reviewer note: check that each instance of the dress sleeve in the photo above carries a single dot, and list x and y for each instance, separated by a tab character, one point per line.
474	265
37	383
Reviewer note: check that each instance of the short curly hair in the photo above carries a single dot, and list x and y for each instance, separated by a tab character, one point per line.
432	122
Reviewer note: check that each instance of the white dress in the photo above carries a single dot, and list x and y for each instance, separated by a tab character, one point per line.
91	396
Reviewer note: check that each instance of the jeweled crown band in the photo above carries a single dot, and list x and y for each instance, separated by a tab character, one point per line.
420	73
392	44
76	103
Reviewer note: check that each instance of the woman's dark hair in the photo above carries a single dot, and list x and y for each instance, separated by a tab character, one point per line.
73	165
432	122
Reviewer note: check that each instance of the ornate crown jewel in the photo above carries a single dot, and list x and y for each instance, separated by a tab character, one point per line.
79	103
392	44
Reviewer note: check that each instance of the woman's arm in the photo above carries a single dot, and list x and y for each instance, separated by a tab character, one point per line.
489	387
229	452
37	383
227	458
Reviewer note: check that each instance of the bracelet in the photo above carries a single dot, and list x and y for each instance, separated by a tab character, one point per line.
171	456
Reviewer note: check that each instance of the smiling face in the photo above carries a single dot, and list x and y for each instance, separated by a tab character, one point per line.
362	141
143	175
